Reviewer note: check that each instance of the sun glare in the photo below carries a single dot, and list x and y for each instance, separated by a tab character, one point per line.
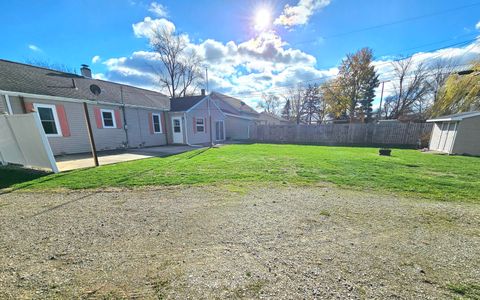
263	19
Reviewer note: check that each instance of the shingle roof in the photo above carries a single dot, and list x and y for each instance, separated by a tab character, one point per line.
233	105
456	117
184	103
22	78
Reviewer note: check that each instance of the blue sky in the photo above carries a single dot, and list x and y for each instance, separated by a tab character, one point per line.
267	59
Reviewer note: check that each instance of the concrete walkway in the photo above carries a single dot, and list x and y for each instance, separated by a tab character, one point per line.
85	160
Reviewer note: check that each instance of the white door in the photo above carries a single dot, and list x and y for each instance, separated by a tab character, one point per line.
219	131
177	130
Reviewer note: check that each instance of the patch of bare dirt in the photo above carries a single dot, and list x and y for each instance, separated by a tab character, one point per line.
235	242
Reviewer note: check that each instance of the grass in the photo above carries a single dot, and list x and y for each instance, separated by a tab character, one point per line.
466	291
13	175
409	172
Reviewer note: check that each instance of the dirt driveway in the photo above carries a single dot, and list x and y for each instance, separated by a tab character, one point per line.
235	242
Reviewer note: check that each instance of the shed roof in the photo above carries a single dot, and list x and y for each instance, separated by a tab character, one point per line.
456	117
184	103
23	78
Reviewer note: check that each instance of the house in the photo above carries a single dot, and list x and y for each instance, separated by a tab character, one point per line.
122	116
456	134
196	120
271	119
239	117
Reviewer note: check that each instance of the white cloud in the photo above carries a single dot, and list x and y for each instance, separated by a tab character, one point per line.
300	14
478	25
147	27
34	48
158	9
96	59
265	63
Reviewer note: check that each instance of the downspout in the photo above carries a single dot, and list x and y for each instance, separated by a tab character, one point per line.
186	132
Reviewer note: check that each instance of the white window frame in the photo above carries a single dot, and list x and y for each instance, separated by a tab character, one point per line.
55	118
201	125
159	123
113	118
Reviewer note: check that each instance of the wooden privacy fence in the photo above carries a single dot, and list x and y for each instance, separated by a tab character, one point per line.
383	133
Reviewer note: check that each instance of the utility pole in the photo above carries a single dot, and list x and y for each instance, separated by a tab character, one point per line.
90	134
381	100
206	77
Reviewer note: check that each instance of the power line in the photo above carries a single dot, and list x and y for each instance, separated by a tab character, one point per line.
325	78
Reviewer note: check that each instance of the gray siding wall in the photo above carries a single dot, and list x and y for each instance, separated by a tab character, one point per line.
3	105
139	134
16	105
467	140
78	142
237	129
201	111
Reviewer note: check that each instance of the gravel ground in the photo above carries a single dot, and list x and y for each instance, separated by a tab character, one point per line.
235	242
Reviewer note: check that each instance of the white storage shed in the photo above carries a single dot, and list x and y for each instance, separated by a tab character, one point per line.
456	134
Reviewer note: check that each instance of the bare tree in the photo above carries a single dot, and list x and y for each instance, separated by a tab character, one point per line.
180	67
49	65
295	96
410	86
270	104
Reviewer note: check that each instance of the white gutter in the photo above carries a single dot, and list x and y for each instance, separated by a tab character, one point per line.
74	100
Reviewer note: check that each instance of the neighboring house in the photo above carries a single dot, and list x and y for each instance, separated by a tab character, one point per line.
239	117
456	134
195	120
271	119
122	116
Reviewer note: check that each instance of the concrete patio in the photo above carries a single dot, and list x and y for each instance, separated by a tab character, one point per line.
85	160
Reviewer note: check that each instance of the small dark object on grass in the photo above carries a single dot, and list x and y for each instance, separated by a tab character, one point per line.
385	152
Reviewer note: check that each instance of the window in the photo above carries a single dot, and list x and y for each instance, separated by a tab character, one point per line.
157	127
108	118
176	126
49	118
200	125
219	131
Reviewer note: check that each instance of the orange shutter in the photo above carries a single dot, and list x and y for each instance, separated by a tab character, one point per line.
98	117
62	118
194	125
150	123
118	119
28	107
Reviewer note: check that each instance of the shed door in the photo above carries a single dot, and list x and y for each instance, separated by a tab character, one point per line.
449	135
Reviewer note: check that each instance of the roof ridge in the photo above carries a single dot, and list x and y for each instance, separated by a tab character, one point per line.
38	67
81	76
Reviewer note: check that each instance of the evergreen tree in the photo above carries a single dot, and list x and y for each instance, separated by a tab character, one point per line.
287	110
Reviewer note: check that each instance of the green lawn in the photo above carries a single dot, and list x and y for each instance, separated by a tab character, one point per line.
409	172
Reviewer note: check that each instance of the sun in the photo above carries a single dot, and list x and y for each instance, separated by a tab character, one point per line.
263	19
